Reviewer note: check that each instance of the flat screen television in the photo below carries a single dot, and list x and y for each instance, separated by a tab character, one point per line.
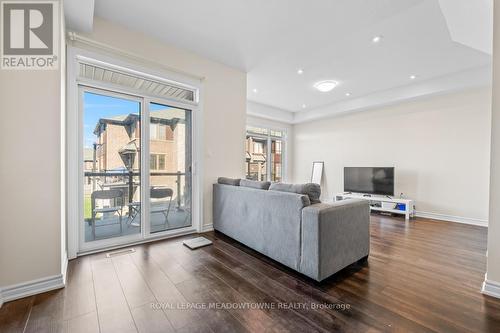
369	180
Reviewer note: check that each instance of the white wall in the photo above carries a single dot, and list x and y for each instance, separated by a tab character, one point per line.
224	100
439	146
31	174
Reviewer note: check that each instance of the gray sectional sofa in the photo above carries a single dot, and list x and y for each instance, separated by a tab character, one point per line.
316	240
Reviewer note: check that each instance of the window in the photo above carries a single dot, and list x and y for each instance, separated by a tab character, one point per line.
276	160
162	132
158	162
153	131
263	163
257	130
258	147
161	162
153	162
159	131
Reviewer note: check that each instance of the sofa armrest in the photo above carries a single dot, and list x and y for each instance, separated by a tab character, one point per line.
334	236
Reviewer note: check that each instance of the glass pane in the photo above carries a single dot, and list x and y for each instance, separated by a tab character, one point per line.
162	133
111	166
277	133
170	180
276	160
153	131
161	162
153	162
257	130
256	158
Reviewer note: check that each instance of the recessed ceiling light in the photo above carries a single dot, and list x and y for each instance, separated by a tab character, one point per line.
413	77
377	39
255	90
348	94
300	71
325	86
304	106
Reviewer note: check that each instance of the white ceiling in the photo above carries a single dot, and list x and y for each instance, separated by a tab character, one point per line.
470	22
327	39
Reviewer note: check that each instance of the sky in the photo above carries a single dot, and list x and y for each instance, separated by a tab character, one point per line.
101	106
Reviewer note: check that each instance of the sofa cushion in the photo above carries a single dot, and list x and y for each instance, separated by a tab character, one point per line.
313	191
255	184
228	181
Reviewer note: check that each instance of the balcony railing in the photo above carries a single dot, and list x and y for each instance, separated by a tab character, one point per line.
130	183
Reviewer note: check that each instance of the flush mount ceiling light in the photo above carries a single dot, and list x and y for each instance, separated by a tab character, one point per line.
377	39
413	77
300	71
326	85
348	94
304	106
255	90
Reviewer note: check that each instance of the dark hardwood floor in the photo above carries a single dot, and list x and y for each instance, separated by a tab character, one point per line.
421	276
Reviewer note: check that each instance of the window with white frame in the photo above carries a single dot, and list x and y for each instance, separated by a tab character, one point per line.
264	154
157	162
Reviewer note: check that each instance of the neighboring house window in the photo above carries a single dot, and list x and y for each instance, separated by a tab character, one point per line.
264	155
160	132
153	162
158	162
153	131
258	147
161	162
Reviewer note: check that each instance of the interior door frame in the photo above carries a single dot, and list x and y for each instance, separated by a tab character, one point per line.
74	149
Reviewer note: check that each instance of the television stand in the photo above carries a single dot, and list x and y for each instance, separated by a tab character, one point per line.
376	203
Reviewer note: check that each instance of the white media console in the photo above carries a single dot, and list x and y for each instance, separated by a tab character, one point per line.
376	203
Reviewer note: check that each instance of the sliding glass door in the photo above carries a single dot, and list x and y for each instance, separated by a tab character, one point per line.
111	165
169	167
135	151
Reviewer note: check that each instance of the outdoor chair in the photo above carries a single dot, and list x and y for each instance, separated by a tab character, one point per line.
111	195
156	193
162	193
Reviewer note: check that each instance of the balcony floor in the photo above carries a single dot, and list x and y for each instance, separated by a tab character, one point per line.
108	227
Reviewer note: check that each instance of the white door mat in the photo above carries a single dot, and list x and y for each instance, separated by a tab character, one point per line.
197	242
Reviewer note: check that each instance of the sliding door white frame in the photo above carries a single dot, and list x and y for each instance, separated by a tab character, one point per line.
102	243
75	146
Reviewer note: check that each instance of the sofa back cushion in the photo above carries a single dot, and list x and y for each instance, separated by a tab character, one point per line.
312	190
267	221
255	184
228	181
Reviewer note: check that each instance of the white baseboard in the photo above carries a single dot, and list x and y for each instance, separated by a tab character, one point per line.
491	288
207	227
25	289
451	218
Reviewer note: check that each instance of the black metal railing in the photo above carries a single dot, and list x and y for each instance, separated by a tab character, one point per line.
129	175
